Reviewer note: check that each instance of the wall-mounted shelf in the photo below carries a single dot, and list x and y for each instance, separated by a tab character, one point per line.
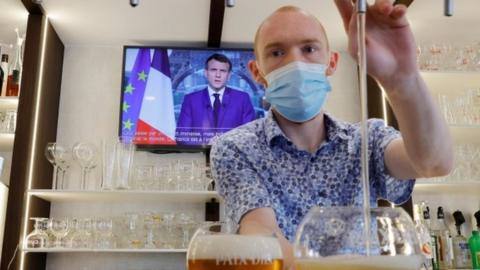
465	126
8	103
124	196
6	142
431	187
89	250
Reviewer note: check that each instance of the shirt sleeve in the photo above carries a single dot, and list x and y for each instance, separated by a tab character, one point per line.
387	187
236	179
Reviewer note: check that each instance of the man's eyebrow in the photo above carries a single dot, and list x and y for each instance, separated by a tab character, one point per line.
272	45
279	44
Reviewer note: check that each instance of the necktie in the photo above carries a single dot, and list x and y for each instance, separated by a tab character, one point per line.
216	108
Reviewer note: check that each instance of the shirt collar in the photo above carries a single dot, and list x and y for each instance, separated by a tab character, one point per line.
211	92
334	128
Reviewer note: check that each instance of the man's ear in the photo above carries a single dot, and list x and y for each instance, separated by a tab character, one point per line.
256	74
332	63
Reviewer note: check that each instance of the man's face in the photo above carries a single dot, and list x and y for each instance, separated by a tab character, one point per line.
217	74
290	36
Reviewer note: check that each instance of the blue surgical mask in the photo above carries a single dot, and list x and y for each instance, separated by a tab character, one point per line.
297	91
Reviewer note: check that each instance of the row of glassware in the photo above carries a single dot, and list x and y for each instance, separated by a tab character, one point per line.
8	121
117	169
449	57
461	109
147	230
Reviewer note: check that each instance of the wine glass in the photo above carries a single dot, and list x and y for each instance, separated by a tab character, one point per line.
38	238
335	238
85	154
218	246
104	233
57	155
59	228
80	235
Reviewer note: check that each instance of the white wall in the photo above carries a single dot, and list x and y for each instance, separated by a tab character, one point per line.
89	111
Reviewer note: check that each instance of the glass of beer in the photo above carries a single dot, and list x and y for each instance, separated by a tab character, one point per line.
336	238
218	246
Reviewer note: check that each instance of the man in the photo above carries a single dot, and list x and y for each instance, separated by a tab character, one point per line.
273	170
215	109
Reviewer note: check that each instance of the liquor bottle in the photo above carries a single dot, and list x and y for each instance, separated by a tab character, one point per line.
13	83
444	240
461	251
474	244
423	236
4	66
433	237
13	86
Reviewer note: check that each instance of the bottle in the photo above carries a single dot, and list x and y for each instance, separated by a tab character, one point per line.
423	236
13	85
4	66
461	251
444	240
474	244
1	77
433	237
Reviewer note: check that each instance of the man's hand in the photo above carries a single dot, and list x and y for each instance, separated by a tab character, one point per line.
391	49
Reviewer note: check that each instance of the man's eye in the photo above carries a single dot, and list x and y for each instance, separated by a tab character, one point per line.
277	53
309	49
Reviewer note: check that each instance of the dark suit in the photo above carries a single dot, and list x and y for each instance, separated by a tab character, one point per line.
197	113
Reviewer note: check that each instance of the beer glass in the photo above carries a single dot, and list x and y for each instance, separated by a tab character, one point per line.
218	246
335	238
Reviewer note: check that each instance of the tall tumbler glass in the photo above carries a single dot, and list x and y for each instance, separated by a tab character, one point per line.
124	158
109	170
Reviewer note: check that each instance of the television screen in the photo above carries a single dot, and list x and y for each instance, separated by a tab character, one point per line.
178	98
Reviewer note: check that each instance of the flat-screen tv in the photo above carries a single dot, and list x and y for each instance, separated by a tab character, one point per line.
180	98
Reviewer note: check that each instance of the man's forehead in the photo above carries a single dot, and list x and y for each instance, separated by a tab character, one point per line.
289	21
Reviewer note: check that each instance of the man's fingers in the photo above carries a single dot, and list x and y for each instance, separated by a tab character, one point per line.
398	12
346	9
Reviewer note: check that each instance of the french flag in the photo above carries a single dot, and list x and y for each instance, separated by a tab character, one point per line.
156	121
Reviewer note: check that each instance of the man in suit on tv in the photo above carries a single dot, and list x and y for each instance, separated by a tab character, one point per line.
215	109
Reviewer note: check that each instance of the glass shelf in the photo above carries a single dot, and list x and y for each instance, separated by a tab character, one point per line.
469	126
124	196
90	250
8	103
428	186
6	142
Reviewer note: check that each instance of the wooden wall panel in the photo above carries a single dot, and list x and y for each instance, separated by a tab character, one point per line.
37	125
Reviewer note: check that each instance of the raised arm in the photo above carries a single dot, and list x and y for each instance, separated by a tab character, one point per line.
425	149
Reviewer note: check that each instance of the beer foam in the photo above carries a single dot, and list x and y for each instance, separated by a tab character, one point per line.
400	262
235	247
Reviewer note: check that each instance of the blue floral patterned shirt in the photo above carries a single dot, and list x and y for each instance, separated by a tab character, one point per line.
257	166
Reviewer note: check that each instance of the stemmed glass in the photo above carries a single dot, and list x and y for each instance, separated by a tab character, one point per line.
104	233
57	155
335	238
85	154
220	246
38	238
59	228
81	236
